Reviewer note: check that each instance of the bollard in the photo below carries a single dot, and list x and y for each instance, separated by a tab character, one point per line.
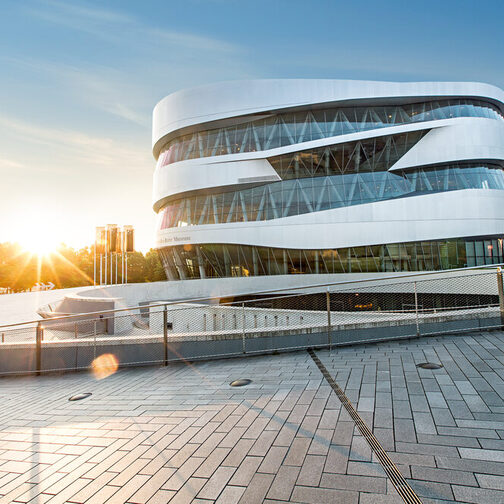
38	348
500	290
165	335
416	310
243	329
94	352
328	306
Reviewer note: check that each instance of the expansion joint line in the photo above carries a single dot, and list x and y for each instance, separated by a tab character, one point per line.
395	476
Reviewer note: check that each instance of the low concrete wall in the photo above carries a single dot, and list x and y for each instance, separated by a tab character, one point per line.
144	350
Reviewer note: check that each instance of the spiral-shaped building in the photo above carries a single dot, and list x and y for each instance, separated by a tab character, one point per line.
322	177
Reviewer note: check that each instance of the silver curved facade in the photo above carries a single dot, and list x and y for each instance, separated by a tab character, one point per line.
280	177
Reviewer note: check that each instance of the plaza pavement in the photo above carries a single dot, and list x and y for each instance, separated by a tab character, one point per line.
182	434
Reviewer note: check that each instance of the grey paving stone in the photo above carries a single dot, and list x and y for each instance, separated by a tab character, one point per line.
311	471
383	417
436	400
424	423
273	460
257	489
443	417
311	495
480	454
459	410
475	403
471	465
297	451
372	469
432	490
465	387
451	392
385	438
467	432
343	433
360	450
477	495
407	459
428	449
492	444
283	484
401	409
337	459
357	483
370	498
419	403
450	476
230	495
456	441
491	481
430	384
404	430
214	486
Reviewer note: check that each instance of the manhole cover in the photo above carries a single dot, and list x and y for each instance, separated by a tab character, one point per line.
240	383
429	365
78	397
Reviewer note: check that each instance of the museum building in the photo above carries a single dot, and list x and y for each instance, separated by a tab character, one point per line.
282	177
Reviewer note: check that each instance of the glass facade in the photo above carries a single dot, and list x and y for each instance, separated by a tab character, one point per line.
223	260
299	196
281	129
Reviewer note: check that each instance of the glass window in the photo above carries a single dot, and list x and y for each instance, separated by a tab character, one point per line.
287	129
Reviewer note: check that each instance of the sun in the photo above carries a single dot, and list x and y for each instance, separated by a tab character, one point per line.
40	243
41	249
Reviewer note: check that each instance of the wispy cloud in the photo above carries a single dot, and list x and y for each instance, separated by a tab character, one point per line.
66	13
156	57
9	163
110	25
100	87
79	146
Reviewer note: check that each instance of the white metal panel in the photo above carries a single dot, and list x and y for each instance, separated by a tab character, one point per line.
464	139
470	212
231	99
197	174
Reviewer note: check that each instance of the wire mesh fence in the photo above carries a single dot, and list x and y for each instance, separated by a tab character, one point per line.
335	314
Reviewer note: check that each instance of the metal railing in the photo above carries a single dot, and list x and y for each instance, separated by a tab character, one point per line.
321	315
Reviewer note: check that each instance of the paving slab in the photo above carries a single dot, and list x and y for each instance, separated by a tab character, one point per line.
180	433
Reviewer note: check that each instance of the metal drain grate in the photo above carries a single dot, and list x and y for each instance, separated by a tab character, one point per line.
395	476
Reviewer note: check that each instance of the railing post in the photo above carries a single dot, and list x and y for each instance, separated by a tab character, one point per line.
94	340
500	289
38	348
328	306
416	310
75	330
243	328
165	335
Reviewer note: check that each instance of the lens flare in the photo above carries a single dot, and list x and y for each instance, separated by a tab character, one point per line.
104	365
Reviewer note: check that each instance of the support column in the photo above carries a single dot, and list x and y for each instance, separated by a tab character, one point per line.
500	289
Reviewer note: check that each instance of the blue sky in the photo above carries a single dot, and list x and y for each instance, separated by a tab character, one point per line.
79	80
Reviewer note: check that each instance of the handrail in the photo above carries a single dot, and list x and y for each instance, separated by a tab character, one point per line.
267	291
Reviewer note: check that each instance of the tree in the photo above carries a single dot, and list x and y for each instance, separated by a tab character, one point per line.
66	267
154	269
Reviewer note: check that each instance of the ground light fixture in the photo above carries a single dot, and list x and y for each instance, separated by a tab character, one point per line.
78	397
240	383
429	365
